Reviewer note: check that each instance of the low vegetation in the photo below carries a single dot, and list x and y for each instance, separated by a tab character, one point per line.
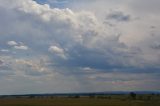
77	100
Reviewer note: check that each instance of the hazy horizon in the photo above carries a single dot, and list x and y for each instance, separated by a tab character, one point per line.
84	93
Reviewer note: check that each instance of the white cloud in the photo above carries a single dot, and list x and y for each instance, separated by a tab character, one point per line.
87	69
12	43
21	47
27	67
16	45
57	51
4	50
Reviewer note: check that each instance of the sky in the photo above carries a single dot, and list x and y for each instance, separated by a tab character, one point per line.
63	46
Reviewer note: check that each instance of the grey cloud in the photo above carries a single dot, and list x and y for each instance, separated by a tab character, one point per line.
57	1
156	46
70	41
146	7
81	34
35	73
118	16
1	62
5	71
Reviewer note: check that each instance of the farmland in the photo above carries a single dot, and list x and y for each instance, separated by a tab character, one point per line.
107	100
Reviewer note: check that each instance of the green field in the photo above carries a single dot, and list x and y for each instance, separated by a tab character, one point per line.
82	101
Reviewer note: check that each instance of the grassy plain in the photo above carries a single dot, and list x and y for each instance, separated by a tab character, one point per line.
120	100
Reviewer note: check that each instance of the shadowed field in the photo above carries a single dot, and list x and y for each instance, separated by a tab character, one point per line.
119	100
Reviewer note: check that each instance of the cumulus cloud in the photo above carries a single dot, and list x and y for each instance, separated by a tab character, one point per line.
16	45
77	40
27	67
21	47
71	30
12	43
57	51
31	68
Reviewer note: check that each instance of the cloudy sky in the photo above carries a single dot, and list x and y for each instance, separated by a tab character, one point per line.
53	46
